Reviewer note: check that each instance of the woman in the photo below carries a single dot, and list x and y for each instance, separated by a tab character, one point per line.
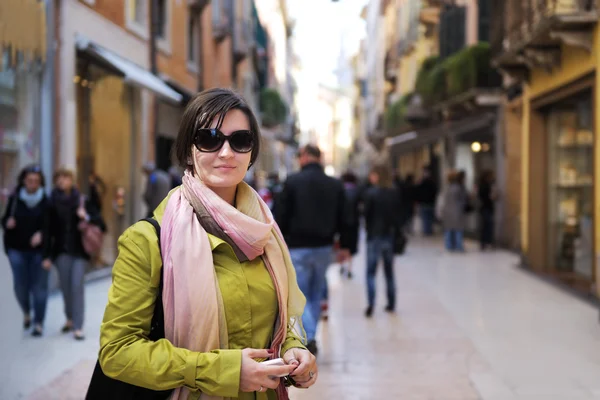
68	210
487	195
382	221
453	213
230	296
24	224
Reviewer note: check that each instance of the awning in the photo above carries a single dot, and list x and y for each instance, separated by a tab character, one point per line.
410	141
132	73
185	93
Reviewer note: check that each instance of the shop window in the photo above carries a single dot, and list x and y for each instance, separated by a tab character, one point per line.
571	184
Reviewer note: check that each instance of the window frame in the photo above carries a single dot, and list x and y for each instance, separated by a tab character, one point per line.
193	65
140	29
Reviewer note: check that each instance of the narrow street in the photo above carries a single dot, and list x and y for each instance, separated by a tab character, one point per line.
467	327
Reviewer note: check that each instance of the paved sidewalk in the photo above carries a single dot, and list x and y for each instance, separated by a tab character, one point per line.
468	327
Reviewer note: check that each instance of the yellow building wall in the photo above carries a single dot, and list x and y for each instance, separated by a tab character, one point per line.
575	63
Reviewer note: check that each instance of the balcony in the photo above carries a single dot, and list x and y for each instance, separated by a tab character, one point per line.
242	39
222	13
391	65
535	30
459	81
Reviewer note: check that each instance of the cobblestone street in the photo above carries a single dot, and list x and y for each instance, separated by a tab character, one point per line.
467	327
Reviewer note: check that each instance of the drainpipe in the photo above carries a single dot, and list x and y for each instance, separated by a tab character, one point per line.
48	96
154	69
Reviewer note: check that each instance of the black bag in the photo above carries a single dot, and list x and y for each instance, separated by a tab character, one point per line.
400	242
102	387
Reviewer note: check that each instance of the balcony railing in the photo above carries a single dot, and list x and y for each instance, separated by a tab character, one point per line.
221	18
523	16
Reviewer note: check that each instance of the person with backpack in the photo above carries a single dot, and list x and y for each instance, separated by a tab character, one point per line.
71	217
25	225
221	270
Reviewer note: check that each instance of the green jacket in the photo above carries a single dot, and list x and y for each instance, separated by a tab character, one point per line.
251	308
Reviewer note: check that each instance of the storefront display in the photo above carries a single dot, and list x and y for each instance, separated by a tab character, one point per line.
571	192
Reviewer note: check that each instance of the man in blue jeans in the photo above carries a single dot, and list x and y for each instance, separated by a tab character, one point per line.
311	215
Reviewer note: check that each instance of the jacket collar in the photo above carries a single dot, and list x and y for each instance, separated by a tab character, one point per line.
313	166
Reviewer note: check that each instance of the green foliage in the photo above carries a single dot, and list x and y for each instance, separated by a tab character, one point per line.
439	80
395	113
272	107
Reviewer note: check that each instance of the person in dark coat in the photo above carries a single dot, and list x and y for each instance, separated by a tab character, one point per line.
427	191
382	222
352	213
311	215
487	196
65	246
25	225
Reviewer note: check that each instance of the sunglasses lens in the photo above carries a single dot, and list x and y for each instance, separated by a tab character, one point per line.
208	140
242	141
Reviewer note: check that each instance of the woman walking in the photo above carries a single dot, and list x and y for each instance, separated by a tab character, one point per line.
230	296
25	224
382	221
453	214
68	210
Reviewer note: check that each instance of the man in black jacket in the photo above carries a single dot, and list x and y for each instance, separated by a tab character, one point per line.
311	215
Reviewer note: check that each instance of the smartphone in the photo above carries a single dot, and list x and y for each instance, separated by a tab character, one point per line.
275	362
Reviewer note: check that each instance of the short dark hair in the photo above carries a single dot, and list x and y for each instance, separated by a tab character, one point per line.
311	150
202	109
31	169
349	177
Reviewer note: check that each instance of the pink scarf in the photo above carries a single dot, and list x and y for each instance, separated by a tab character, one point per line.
194	314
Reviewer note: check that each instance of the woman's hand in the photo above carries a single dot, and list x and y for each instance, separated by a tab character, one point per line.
11	223
255	377
47	264
82	214
36	239
307	371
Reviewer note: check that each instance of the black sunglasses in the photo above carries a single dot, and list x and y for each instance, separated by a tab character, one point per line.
211	140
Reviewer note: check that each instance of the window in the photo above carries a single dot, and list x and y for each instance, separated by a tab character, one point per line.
162	15
194	42
137	16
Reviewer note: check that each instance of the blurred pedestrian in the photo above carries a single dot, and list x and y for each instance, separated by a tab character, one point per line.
453	213
382	221
97	190
310	215
25	232
352	214
229	291
68	212
407	203
426	196
487	195
157	187
175	175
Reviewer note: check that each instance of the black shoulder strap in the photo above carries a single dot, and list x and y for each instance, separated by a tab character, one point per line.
157	327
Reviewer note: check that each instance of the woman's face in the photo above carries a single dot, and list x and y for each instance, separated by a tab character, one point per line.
32	182
65	183
374	178
224	169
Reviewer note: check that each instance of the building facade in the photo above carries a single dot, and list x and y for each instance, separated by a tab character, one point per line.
24	137
548	53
